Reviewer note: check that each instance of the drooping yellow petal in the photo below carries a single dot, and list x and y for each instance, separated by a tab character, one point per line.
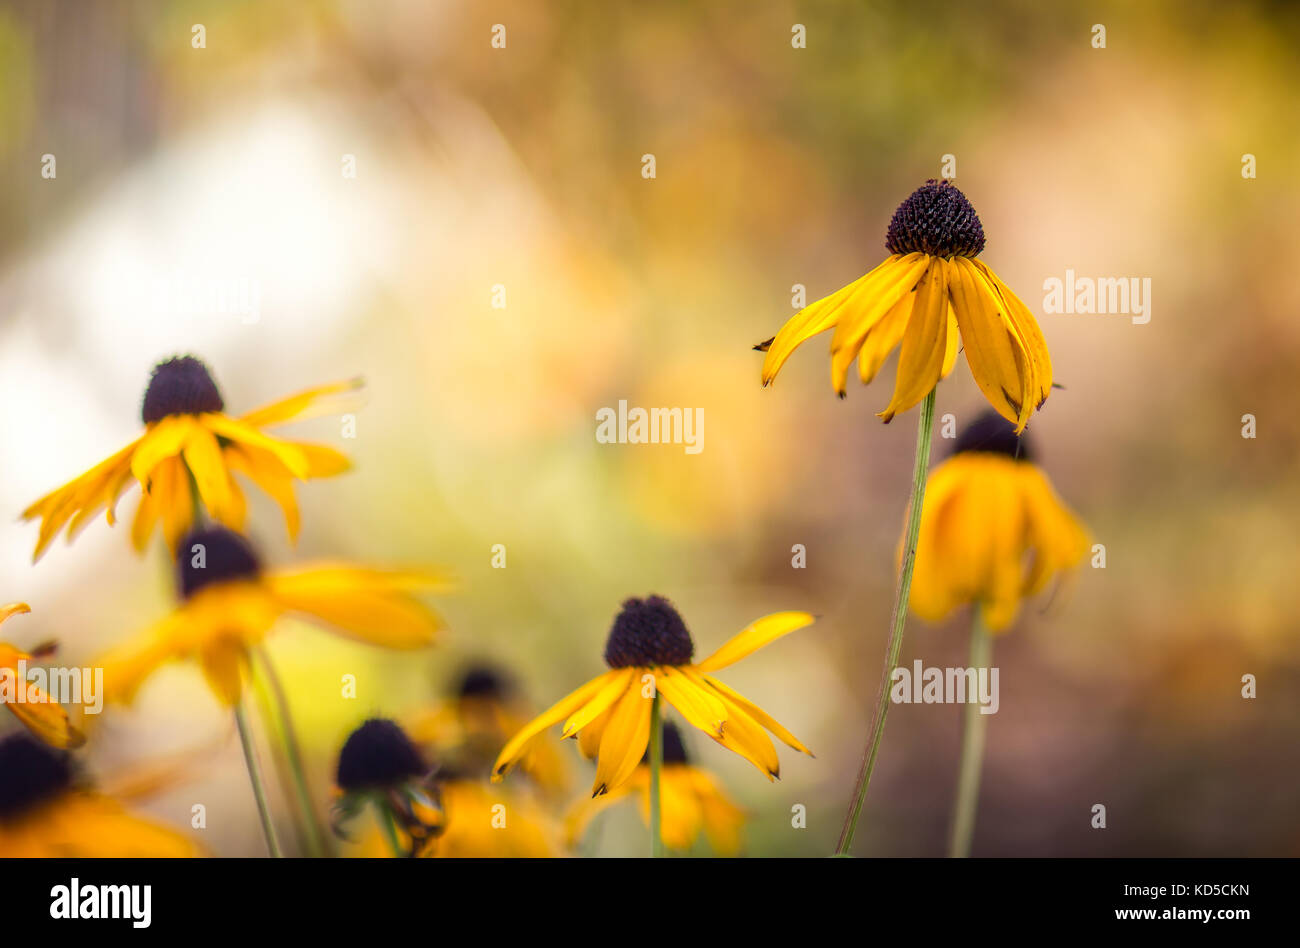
997	357
603	699
556	713
896	286
203	458
931	596
884	338
753	637
697	705
288	453
590	736
171	491
163	439
337	397
925	341
743	735
43	716
223	661
57	507
1027	327
626	735
267	472
1058	540
758	714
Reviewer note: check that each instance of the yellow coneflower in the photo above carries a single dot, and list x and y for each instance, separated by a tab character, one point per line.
469	730
229	603
189	452
45	812
692	803
380	767
649	653
44	717
993	531
929	295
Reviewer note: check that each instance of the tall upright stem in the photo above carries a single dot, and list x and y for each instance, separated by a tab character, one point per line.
656	765
897	623
255	778
974	729
316	844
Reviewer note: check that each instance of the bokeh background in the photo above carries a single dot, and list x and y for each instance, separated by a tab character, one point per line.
183	169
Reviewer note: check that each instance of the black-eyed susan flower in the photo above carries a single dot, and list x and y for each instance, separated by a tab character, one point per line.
993	531
189	451
649	651
230	602
467	731
380	767
930	294
692	803
47	811
43	716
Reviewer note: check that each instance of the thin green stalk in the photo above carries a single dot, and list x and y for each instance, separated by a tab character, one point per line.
389	825
897	623
974	730
656	765
316	845
255	778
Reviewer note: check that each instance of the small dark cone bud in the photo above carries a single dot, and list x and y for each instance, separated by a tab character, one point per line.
483	681
992	433
674	749
31	773
648	632
180	386
214	555
378	756
936	219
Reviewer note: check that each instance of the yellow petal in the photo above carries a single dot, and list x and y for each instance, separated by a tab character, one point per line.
267	472
553	715
288	453
626	735
611	692
898	285
1027	327
164	439
996	355
925	341
203	458
13	609
223	663
759	715
753	637
700	708
884	338
362	607
742	735
337	397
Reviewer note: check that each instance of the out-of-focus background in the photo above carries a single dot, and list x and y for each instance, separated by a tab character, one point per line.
202	203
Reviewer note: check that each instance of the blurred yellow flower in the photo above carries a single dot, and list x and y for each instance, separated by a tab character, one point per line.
380	766
929	295
188	454
43	717
44	813
649	651
993	531
691	803
466	732
230	603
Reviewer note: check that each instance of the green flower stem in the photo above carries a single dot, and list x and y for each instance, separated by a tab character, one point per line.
974	729
656	765
316	845
389	825
897	622
255	778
